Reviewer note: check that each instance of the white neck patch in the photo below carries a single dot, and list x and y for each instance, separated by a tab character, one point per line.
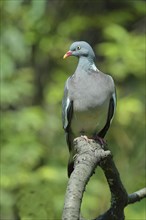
93	67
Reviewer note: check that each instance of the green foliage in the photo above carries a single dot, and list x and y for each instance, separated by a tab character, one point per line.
124	51
35	36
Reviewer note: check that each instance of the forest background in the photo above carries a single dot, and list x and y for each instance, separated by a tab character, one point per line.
35	34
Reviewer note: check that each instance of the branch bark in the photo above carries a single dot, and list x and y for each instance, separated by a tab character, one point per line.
137	196
89	155
119	196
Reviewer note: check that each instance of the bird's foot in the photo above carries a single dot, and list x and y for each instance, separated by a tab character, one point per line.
100	140
85	137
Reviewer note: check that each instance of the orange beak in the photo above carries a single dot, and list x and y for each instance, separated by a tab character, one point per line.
69	53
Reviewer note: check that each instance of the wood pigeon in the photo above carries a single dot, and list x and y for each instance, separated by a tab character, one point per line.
89	100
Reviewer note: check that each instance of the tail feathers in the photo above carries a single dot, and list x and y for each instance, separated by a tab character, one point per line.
69	139
70	167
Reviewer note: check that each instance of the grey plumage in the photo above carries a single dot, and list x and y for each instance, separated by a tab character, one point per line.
89	99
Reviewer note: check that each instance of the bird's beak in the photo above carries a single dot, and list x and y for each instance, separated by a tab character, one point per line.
69	53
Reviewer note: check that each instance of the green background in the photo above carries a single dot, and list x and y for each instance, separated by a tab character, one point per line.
35	35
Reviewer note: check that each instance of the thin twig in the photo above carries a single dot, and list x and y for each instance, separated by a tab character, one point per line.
137	196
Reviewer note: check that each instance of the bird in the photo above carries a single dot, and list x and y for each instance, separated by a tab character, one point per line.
89	100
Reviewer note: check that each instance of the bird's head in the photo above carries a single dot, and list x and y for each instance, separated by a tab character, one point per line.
80	49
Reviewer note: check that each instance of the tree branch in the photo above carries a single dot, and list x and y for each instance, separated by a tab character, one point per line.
119	197
137	196
89	155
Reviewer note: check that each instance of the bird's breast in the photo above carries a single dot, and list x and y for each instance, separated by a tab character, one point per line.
89	121
90	96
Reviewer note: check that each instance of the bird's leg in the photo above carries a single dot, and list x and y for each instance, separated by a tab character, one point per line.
82	133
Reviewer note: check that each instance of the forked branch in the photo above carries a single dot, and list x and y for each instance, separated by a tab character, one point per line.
89	155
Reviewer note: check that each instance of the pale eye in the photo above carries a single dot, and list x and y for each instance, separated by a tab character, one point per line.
78	47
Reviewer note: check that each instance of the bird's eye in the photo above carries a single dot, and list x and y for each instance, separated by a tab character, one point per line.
78	47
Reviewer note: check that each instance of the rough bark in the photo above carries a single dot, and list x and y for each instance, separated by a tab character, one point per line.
89	155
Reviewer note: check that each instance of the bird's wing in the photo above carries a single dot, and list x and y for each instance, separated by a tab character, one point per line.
111	111
67	114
